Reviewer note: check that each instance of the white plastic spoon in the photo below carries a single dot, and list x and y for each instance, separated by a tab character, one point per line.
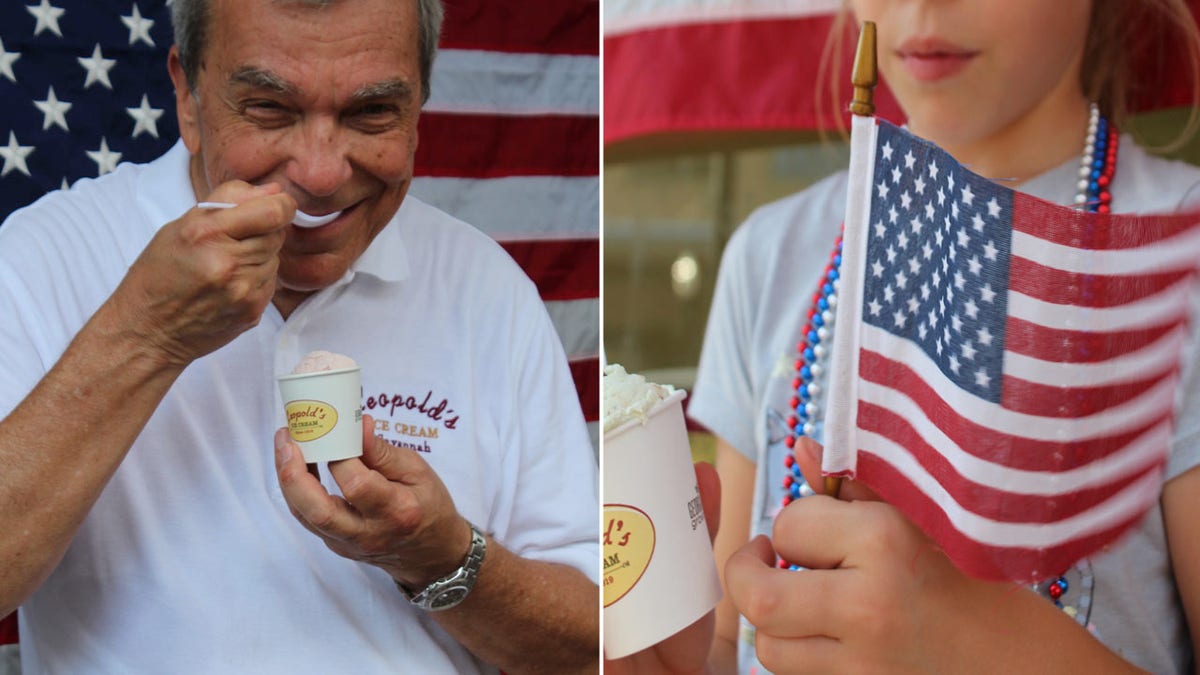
301	220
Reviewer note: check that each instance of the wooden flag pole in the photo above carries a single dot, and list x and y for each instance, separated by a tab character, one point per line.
864	78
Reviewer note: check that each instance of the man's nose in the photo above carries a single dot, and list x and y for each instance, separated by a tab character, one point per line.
319	163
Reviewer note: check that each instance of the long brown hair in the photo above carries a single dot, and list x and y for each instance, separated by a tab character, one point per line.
1126	38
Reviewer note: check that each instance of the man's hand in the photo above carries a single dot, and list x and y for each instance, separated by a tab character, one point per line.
396	513
208	276
684	652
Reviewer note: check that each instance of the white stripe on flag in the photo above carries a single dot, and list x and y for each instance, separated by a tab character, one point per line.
578	325
1124	417
1177	253
626	16
1140	452
1131	499
1166	306
1153	359
841	419
516	208
483	82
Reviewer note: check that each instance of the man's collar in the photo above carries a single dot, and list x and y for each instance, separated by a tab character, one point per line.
386	258
164	190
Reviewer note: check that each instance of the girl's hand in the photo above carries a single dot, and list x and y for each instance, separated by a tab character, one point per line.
876	597
875	591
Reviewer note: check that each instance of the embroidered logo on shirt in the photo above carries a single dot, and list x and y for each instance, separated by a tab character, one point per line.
413	422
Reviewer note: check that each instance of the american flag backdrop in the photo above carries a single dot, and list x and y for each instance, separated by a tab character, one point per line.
1011	378
509	139
759	60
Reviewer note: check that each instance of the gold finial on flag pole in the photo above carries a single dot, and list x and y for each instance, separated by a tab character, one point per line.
865	75
864	78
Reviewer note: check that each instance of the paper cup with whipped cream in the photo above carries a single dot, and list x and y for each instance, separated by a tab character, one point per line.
659	575
322	399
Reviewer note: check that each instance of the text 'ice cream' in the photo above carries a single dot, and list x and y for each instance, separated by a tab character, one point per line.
321	361
629	396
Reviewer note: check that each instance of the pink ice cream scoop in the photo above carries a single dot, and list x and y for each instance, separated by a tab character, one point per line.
321	361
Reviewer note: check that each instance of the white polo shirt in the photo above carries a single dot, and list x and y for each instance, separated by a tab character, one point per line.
190	560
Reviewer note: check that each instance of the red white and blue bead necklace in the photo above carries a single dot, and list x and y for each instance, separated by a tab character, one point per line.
1094	195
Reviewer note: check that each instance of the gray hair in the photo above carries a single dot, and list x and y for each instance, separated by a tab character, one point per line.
190	19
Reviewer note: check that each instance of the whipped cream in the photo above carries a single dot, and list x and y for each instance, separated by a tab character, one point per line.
629	396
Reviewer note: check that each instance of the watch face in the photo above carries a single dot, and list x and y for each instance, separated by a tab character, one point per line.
449	596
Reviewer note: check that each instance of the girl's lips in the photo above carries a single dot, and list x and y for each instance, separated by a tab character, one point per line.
931	59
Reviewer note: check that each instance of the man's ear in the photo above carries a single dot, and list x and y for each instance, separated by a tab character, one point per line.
186	104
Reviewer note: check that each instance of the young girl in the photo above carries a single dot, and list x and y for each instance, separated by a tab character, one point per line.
1013	89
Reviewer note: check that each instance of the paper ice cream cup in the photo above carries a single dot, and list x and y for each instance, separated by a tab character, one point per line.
659	575
324	413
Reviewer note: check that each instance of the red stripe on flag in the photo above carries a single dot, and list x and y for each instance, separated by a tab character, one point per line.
8	629
1095	231
1073	346
1032	398
1086	290
990	444
989	502
533	26
562	269
756	75
586	373
494	146
973	558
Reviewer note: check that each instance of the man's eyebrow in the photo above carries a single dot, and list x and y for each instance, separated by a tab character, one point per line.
388	89
262	79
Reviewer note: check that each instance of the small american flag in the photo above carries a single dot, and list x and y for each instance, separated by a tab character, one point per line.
1011	383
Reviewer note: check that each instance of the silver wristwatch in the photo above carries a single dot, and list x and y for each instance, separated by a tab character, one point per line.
453	588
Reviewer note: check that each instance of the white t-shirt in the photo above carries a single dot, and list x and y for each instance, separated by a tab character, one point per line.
190	560
769	270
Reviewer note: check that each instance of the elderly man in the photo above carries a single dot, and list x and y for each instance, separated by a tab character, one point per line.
146	525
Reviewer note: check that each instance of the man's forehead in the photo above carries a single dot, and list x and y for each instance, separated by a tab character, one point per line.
264	78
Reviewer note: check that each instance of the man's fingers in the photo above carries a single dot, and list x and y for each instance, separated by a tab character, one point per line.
260	215
318	510
367	490
367	481
396	464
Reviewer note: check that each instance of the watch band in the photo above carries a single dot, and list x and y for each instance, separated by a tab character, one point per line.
453	588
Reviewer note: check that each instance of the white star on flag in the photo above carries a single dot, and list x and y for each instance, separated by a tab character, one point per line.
47	17
97	68
14	156
6	63
53	110
145	118
105	159
139	28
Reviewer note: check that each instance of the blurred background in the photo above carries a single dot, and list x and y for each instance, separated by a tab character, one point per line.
710	111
